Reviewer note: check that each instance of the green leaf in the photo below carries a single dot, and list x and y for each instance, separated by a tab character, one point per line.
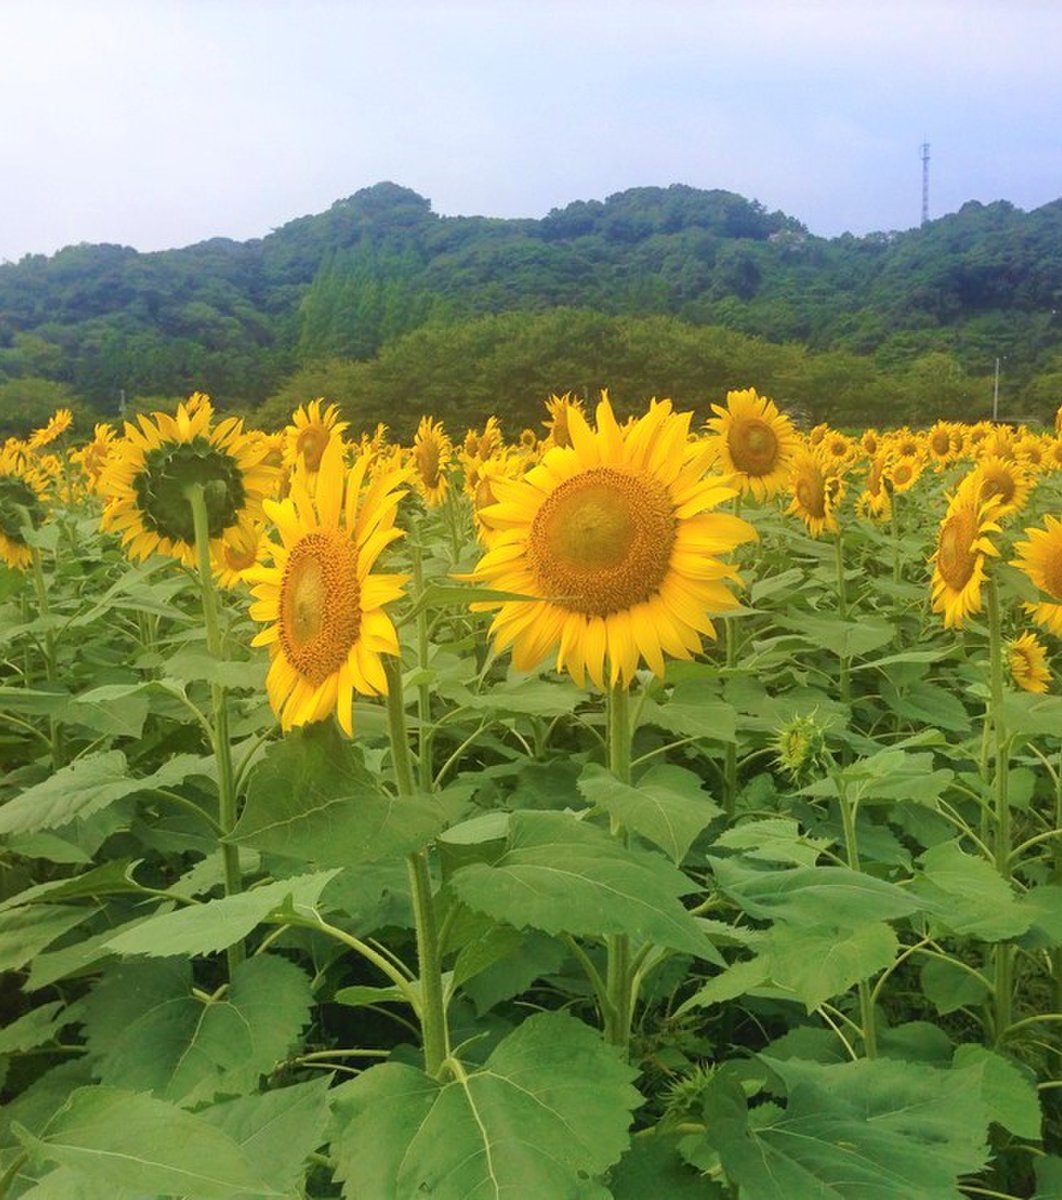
1048	1177
653	1167
968	896
813	895
512	972
846	639
692	712
109	879
1036	716
948	987
150	1033
775	839
206	928
531	696
735	980
34	1028
928	703
191	666
276	1131
562	875
876	1127
1009	1093
145	1145
551	1104
119	709
83	788
313	799
24	932
817	962
669	806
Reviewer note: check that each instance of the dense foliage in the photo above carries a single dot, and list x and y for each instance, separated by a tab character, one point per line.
241	318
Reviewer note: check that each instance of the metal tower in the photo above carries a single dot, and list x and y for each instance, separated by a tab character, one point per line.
925	182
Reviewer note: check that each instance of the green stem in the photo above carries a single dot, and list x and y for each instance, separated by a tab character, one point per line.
230	858
12	1173
619	1014
424	727
434	1031
842	611
894	511
730	764
1003	952
866	995
51	666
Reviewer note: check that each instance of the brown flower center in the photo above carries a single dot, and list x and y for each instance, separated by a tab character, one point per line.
753	446
310	446
602	540
320	604
956	558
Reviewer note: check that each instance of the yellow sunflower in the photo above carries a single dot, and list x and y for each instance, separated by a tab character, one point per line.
615	538
753	441
241	549
963	543
323	608
940	444
874	501
92	457
1005	478
1027	657
559	409
1041	559
148	472
903	472
58	423
1058	421
871	442
309	433
22	494
818	489
432	451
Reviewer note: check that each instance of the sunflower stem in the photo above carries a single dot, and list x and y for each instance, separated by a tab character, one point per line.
424	727
894	515
851	848
434	1031
51	668
730	638
619	981
230	857
1003	951
842	611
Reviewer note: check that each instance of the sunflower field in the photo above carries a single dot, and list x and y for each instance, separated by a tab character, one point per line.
661	808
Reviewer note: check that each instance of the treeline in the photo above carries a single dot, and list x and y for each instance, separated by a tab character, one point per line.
339	294
508	364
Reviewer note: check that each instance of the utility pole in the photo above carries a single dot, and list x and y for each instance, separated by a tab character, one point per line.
925	182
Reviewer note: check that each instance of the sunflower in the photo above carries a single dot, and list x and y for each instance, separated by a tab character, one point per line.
903	472
92	457
959	559
58	423
148	472
1053	455
1027	657
1005	478
615	539
483	445
1041	559
940	444
871	442
323	609
753	441
818	489
241	549
22	494
560	409
432	450
874	501
1058	421
309	433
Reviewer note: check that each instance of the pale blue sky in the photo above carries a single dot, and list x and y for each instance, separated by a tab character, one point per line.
157	123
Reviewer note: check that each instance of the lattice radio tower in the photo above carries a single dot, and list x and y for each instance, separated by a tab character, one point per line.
925	182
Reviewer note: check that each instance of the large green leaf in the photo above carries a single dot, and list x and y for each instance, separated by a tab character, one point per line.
774	839
1008	1091
85	787
692	711
817	962
813	895
551	1103
206	928
873	1128
276	1131
34	1028
846	639
668	807
563	875
145	1145
968	896
313	799
653	1168
150	1033
24	932
109	879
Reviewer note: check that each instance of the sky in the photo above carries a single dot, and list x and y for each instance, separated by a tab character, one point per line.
160	123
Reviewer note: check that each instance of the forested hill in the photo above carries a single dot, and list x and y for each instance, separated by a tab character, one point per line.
239	318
